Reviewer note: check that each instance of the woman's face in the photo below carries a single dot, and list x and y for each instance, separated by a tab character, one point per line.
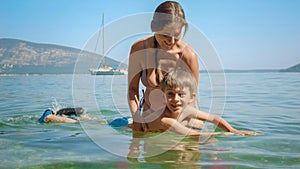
168	36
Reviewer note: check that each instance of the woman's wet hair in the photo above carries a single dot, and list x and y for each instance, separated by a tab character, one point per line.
168	13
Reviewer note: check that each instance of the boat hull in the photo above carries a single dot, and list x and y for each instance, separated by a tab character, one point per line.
106	73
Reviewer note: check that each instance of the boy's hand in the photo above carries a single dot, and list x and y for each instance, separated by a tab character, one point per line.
246	133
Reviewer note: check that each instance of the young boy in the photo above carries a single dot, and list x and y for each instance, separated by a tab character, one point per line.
66	115
63	115
179	89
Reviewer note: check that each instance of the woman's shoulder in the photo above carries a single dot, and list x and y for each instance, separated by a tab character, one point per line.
141	44
188	51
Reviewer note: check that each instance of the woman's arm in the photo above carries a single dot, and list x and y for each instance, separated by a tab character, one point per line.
133	93
134	71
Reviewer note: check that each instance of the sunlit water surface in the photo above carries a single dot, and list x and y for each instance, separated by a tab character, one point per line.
268	103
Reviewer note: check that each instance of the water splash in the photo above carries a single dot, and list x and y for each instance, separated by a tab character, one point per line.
56	105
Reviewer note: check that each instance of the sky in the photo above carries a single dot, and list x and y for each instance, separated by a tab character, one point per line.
246	34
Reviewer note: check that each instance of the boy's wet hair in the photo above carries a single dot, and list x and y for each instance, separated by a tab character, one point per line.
71	111
177	77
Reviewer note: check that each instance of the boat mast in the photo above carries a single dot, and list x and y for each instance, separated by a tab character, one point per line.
103	58
102	63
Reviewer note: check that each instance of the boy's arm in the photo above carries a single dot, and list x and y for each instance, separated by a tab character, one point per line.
177	127
59	119
215	119
201	115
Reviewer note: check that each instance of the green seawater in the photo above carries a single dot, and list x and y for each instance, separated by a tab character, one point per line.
267	103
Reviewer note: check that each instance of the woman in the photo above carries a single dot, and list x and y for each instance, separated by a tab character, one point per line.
151	57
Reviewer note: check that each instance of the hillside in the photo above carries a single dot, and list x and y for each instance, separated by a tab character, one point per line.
22	57
295	68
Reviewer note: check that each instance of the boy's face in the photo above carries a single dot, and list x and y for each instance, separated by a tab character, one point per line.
177	99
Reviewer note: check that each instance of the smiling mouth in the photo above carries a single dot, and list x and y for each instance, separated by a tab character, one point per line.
168	43
176	107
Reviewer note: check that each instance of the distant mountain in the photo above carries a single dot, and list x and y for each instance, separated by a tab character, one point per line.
241	71
295	68
22	57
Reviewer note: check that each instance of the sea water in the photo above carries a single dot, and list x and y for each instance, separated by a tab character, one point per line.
268	103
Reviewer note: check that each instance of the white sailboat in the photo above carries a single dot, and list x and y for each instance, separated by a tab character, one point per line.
104	69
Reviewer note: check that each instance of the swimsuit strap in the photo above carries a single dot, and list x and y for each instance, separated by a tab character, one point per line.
145	55
156	52
142	102
183	51
180	60
144	72
145	52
